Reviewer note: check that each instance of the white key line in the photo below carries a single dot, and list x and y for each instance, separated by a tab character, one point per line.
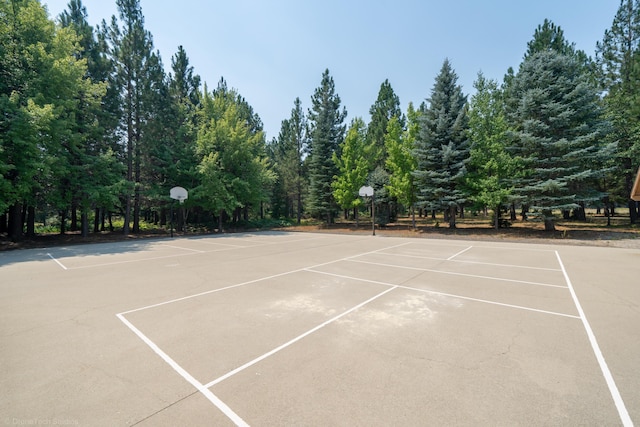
459	253
520	307
294	340
57	262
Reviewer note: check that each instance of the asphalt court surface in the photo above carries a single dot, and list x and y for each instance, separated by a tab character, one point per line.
281	328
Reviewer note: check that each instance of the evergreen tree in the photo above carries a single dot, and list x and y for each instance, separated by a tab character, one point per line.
131	48
618	58
87	147
442	147
287	152
353	167
557	133
326	133
387	105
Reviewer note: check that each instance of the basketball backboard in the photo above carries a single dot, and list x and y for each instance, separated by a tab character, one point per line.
178	193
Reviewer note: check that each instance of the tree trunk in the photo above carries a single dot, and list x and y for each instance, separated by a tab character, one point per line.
633	211
496	214
96	220
413	217
74	217
3	223
63	222
220	221
549	224
31	221
15	222
84	223
452	217
513	212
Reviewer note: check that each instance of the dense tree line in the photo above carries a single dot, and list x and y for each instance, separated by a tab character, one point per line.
93	128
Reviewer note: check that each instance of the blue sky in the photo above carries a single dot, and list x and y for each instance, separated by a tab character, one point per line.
273	51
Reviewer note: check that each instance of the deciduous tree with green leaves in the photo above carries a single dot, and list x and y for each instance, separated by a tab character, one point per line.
233	166
401	162
491	168
353	166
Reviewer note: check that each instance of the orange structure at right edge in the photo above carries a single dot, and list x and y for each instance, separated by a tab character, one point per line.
635	192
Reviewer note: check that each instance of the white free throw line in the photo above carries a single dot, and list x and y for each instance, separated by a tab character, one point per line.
613	389
296	339
458	274
519	307
459	253
184	249
470	262
235	418
57	262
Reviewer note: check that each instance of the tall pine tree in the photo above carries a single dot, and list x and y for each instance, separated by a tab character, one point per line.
618	58
442	147
287	153
131	48
387	105
327	130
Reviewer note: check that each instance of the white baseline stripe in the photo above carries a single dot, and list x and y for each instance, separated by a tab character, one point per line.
613	389
439	243
459	274
294	340
57	262
459	253
253	281
469	262
184	249
235	418
520	307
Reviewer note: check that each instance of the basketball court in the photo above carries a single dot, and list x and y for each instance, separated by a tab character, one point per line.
284	328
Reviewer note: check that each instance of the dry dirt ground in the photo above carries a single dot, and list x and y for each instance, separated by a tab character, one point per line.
592	233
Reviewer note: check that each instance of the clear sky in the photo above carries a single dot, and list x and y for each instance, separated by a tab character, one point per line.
273	51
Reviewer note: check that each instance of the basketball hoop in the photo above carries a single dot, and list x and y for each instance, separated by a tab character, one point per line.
179	194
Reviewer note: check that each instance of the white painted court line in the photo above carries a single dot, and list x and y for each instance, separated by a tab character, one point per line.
475	276
129	261
189	378
235	418
251	281
471	262
194	252
519	307
296	339
183	248
57	262
459	253
437	242
613	389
